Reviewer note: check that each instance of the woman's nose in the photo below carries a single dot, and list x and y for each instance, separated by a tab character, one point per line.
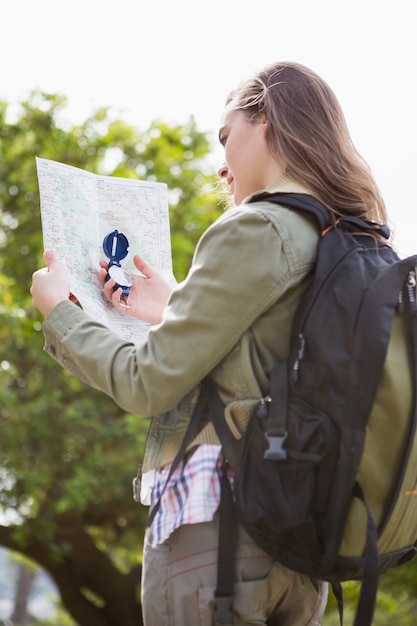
222	171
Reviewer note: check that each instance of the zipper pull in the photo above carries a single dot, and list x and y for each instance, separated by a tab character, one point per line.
262	409
295	370
411	291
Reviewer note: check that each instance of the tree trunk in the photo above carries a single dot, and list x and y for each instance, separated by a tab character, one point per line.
83	569
24	584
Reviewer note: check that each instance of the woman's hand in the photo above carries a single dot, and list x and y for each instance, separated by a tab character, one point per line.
50	285
148	296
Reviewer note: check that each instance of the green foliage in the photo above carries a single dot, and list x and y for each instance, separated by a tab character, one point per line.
396	600
60	618
68	453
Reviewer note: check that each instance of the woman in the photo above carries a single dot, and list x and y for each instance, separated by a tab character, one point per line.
230	320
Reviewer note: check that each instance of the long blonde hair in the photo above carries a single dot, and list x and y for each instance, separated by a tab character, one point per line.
307	128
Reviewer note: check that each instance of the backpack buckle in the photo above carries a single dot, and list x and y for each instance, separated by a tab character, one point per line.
275	452
223	611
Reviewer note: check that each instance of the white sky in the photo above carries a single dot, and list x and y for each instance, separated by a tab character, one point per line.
169	59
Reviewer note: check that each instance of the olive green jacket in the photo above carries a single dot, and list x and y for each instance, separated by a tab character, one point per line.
230	319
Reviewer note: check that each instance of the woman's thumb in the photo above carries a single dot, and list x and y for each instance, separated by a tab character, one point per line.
142	266
49	257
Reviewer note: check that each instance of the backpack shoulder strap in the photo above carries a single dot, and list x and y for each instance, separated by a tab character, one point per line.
326	219
302	201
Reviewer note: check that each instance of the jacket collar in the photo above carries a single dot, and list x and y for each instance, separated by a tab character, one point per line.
283	184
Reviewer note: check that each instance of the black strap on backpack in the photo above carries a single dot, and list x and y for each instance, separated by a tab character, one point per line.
224	594
190	434
325	218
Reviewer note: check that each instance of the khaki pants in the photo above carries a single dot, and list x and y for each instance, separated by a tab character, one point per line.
179	580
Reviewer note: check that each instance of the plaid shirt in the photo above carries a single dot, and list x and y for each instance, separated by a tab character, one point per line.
192	495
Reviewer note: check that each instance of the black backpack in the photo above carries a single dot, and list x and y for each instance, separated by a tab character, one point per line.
325	477
325	480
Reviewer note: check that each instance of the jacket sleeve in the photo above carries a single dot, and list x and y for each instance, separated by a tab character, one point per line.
239	270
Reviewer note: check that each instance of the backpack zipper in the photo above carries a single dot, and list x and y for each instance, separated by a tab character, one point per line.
295	368
411	291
